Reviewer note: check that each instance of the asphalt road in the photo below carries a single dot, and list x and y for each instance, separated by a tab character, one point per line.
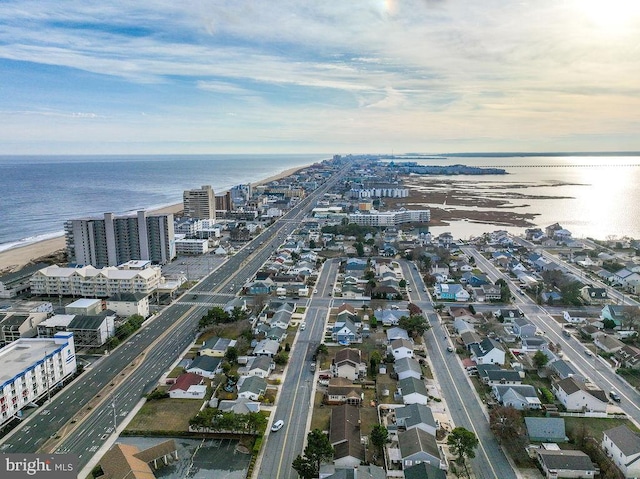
179	321
295	403
592	367
465	408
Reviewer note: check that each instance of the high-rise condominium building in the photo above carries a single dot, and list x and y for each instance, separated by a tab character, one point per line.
200	203
114	240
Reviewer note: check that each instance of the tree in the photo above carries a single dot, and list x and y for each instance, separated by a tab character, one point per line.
359	249
318	449
630	318
304	467
231	354
506	423
415	325
540	359
402	283
373	322
505	293
374	360
281	358
378	437
462	444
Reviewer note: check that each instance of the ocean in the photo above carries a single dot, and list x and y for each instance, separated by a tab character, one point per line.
592	196
40	192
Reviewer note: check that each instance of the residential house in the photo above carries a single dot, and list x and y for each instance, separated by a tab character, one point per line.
397	333
470	338
493	374
251	387
563	369
460	325
346	332
615	313
451	292
401	348
205	366
523	328
573	318
546	429
488	351
565	463
521	397
629	357
341	391
533	344
508	315
216	347
344	435
423	470
360	472
608	344
413	391
489	292
594	295
260	366
407	368
128	304
623	447
266	347
239	406
391	317
348	364
417	446
416	416
577	396
188	386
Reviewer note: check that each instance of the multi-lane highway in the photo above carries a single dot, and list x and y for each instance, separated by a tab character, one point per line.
84	420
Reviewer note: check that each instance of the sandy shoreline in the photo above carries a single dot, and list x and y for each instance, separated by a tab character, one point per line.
15	258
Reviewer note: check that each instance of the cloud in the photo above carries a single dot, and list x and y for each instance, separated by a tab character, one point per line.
418	70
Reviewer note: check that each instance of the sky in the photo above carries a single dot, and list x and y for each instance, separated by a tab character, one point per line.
238	76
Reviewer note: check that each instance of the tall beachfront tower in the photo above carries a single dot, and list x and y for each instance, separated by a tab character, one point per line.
200	203
114	240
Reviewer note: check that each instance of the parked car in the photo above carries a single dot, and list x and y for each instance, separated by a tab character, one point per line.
615	396
450	349
588	352
277	425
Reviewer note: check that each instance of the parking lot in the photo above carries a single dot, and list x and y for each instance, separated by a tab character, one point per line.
194	267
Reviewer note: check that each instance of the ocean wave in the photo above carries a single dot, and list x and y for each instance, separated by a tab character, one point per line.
30	240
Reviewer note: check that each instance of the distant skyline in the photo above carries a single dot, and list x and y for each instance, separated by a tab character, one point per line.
165	77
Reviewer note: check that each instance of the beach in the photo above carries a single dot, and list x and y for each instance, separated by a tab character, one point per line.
15	258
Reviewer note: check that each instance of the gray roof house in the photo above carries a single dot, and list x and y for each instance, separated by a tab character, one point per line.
257	366
407	368
360	472
397	333
266	347
413	391
523	328
206	366
424	470
623	447
565	463
488	351
416	415
493	374
521	397
251	387
563	369
546	429
417	446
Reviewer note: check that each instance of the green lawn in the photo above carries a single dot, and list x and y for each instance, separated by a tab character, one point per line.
165	415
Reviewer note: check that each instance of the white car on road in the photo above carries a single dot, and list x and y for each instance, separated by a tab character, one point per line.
277	425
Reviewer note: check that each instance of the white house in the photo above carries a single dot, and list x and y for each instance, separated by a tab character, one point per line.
401	348
521	397
348	364
251	387
407	368
565	463
488	351
623	447
413	391
266	347
416	416
577	396
188	386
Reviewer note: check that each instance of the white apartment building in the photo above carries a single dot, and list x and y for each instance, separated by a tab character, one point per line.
192	246
90	282
113	240
199	203
390	218
379	193
31	368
